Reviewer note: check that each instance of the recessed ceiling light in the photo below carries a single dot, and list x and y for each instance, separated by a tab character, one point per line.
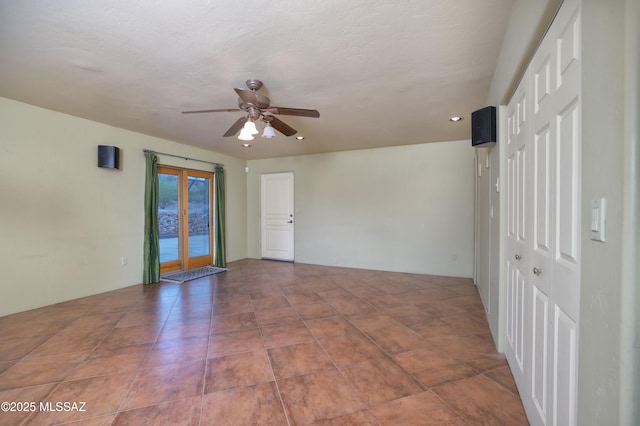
300	138
246	145
455	118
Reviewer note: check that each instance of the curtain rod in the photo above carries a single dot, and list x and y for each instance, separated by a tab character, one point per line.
183	157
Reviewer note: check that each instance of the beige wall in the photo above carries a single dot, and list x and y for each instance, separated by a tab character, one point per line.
407	208
603	289
65	224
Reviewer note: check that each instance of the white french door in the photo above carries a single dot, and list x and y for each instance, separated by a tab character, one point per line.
277	216
543	241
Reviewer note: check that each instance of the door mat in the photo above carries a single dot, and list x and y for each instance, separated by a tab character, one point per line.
191	274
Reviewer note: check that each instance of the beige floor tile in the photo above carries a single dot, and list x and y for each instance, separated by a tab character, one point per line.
234	342
504	377
287	334
421	409
177	350
409	315
397	339
379	380
432	367
316	310
361	418
91	397
112	360
481	401
321	395
351	348
40	370
374	321
299	359
237	370
233	322
33	394
254	405
15	349
277	316
330	327
165	383
184	412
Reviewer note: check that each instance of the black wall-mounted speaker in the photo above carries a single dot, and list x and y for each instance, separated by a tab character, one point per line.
108	156
483	127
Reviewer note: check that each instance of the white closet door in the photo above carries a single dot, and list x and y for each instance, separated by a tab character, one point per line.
517	232
549	267
542	141
566	231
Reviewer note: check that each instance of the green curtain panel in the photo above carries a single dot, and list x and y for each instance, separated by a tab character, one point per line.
151	272
220	247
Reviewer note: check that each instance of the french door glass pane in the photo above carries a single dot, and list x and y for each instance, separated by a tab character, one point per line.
199	216
168	208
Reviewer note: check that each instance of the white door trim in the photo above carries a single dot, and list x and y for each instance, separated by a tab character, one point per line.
276	216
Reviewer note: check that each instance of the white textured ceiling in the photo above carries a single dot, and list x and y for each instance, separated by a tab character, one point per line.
381	73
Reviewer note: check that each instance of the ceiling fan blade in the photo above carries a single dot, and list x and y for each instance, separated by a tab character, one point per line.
235	127
295	111
212	110
247	96
282	127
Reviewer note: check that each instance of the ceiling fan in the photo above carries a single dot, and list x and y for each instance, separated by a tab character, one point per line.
258	107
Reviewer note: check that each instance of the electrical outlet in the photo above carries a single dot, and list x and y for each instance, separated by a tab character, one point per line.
124	261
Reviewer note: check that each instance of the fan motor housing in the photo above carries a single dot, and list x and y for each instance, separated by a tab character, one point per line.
263	103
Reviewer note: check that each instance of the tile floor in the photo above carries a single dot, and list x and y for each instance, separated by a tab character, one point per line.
265	343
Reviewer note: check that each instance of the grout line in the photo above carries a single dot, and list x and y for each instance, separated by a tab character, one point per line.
461	415
153	345
275	380
206	360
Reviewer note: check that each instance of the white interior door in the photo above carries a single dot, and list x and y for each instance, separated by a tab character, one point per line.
565	241
555	244
549	264
543	141
277	216
518	183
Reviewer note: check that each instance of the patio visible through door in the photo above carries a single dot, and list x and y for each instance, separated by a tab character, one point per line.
185	204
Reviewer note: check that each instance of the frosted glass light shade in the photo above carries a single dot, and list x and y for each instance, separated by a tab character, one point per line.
245	134
250	127
268	132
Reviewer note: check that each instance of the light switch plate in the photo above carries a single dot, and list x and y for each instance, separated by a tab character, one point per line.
598	219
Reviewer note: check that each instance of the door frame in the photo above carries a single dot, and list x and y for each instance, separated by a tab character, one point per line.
184	262
285	221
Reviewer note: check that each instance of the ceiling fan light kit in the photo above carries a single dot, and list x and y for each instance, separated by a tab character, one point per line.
250	127
245	135
268	131
259	107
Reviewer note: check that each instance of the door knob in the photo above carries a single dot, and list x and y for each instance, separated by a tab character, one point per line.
537	271
290	221
518	257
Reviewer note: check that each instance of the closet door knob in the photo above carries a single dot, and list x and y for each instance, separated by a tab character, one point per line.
537	271
518	257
